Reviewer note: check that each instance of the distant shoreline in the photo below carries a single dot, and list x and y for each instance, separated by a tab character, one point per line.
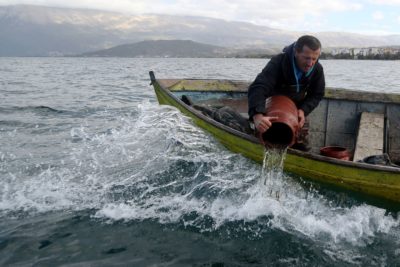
324	57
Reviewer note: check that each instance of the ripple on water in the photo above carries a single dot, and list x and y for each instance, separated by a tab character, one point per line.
138	169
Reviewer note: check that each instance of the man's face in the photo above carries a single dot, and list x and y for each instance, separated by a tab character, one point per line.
307	58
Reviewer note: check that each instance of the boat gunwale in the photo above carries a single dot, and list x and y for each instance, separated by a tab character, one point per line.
330	92
251	138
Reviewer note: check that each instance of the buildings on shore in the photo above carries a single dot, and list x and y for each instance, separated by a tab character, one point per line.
365	53
380	53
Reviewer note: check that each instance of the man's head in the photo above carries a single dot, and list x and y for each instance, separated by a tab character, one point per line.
307	52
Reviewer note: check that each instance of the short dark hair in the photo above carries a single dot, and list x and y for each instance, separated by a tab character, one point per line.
310	41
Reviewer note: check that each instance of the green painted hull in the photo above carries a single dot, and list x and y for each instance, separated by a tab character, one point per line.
379	182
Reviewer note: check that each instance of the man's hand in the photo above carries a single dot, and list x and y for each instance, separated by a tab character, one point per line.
263	123
302	119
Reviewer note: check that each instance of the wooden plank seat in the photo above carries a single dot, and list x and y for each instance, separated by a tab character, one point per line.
370	137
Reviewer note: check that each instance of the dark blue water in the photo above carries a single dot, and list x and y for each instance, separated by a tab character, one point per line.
93	172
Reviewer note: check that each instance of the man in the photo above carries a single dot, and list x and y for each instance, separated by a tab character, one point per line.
295	73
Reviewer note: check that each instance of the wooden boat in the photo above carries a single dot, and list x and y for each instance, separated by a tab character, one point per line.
336	121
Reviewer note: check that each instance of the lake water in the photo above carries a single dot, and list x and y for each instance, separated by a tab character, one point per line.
93	172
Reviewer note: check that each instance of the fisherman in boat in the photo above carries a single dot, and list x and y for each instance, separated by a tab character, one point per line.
295	73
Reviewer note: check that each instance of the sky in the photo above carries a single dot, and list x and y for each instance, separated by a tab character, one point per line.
357	16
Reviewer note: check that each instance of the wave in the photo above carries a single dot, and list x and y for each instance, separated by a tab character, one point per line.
29	109
158	166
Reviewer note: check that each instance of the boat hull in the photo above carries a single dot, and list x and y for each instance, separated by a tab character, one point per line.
369	180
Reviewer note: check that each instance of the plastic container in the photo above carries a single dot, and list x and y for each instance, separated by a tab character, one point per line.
336	152
283	131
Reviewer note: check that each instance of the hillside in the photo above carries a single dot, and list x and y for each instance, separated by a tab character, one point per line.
45	31
161	48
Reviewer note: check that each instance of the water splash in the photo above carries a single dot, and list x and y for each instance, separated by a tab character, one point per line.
272	170
108	153
155	164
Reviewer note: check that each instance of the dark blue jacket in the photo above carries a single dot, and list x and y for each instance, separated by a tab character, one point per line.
278	78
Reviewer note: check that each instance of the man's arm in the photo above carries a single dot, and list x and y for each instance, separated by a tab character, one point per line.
262	88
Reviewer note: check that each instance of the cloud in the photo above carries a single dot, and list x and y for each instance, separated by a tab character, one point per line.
283	12
386	2
377	15
118	5
297	15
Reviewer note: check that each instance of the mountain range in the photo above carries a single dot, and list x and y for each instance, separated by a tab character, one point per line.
45	31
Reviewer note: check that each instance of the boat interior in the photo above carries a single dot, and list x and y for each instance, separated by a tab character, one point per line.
364	124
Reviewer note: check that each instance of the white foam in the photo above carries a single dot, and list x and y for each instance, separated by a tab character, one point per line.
125	174
242	197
